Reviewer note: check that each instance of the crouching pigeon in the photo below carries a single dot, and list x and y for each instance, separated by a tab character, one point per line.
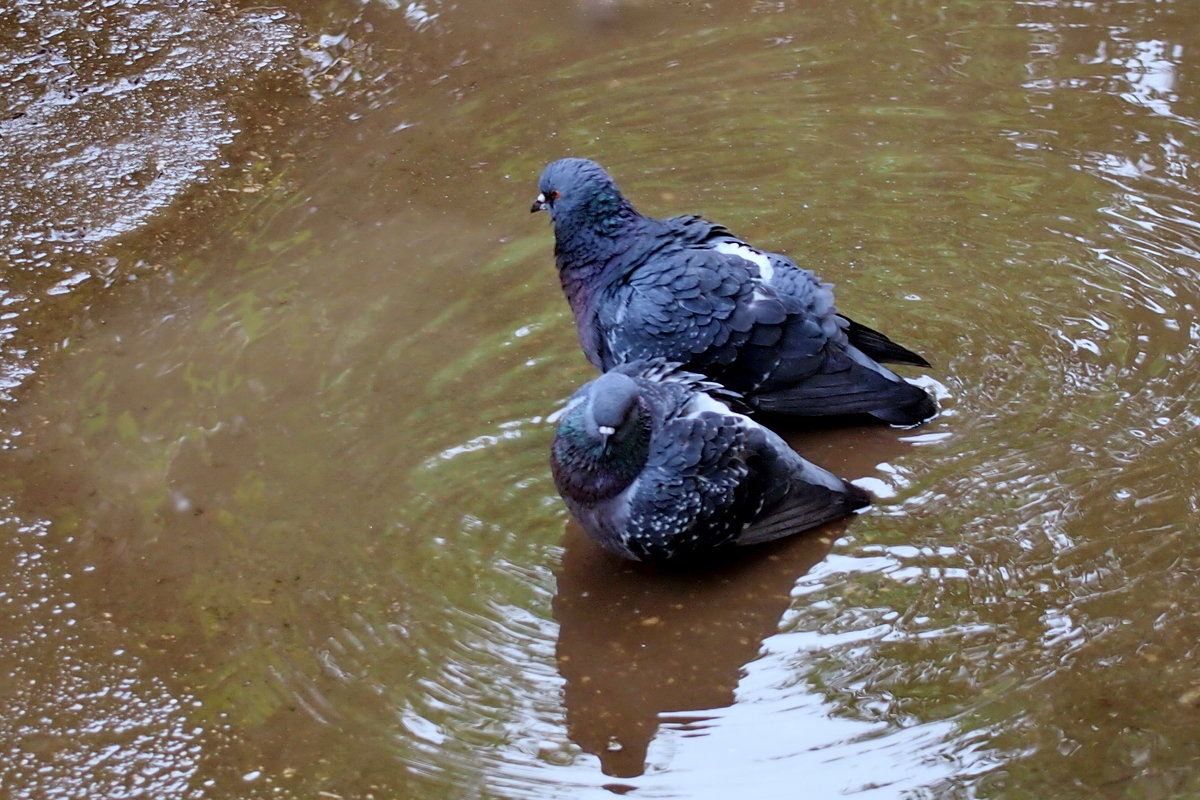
656	466
687	290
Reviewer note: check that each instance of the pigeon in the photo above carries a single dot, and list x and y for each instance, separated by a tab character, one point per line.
687	290
656	466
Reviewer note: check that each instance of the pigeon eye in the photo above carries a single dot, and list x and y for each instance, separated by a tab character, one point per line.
553	195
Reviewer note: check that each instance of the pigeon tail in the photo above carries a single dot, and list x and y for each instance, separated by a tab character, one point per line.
854	391
922	409
880	347
805	507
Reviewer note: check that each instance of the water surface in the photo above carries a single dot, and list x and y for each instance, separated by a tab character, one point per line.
280	340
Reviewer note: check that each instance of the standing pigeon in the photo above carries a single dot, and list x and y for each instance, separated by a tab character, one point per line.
687	290
655	466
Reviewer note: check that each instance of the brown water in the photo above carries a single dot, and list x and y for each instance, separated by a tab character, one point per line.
280	339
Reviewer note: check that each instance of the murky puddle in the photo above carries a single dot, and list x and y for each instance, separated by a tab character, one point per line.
281	339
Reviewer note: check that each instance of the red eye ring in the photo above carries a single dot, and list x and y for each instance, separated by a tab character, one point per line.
553	194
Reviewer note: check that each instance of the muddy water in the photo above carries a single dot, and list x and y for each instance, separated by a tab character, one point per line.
280	338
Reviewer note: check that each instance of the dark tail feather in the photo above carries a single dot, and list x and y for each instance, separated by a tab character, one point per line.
880	347
805	507
858	390
920	410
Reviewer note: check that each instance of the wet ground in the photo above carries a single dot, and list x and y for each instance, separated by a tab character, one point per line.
279	337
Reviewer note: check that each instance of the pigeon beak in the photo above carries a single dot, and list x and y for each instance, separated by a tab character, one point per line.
605	432
539	204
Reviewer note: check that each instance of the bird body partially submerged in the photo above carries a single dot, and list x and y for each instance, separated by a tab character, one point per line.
687	290
656	466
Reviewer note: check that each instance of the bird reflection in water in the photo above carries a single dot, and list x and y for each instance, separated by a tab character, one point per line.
641	646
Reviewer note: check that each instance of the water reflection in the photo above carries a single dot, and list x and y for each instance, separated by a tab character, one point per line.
639	647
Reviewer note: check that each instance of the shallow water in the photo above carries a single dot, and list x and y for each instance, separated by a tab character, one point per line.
280	339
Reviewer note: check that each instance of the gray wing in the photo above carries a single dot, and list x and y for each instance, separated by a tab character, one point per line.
708	310
847	378
753	321
692	497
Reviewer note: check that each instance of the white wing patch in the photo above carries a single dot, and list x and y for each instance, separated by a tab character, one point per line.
757	296
702	402
765	270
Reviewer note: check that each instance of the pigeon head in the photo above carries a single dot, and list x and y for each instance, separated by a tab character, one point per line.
614	399
602	439
578	193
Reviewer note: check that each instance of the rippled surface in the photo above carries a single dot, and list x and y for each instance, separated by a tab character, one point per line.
280	340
